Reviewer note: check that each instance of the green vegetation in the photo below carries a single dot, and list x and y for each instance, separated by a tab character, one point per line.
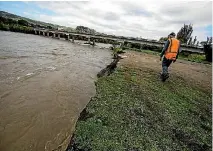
199	58
117	51
194	58
16	28
8	16
8	24
185	33
163	39
22	22
133	110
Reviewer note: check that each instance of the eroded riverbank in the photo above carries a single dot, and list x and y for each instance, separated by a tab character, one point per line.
134	110
45	84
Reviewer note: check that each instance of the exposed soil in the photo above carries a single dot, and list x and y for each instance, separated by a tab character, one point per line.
196	73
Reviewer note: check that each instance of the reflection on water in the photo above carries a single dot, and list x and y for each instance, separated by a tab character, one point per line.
45	83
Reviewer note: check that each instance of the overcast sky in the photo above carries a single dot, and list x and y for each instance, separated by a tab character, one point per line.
150	19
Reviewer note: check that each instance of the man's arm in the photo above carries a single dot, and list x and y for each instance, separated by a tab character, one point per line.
164	48
179	50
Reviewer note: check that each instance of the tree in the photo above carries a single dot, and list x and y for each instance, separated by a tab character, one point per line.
22	22
11	21
162	39
185	33
194	41
189	41
207	47
82	29
3	20
209	40
49	27
197	43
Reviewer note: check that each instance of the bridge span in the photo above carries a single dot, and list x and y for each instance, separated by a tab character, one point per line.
71	36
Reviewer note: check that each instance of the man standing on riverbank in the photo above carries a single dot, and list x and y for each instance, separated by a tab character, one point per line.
170	52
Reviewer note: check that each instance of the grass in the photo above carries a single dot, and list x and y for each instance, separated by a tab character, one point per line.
150	52
194	58
133	110
117	50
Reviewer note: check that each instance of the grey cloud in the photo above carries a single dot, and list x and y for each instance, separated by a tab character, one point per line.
152	22
111	16
79	4
113	27
194	12
135	9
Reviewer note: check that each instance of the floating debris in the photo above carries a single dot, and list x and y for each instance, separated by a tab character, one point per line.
51	68
122	56
29	74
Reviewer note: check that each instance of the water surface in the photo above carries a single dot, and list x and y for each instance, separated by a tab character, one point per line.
45	84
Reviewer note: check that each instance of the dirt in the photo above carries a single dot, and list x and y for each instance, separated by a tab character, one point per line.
196	73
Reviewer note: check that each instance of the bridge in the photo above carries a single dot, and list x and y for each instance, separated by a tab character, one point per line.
71	36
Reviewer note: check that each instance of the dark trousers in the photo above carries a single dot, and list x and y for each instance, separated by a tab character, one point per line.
165	64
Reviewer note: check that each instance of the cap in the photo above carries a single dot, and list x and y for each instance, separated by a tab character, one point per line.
172	34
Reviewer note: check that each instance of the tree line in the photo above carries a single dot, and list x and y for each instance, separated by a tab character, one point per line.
9	24
20	25
184	35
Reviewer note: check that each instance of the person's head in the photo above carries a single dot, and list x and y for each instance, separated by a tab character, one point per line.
172	35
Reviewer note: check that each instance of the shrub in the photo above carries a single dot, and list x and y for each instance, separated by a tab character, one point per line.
196	58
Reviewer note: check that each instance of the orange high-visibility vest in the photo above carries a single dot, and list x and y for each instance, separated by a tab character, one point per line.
172	50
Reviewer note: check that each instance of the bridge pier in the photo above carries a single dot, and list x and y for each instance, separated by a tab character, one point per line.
73	39
93	42
48	34
53	35
35	32
58	36
67	37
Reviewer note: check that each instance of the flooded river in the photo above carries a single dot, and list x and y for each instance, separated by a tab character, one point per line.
45	84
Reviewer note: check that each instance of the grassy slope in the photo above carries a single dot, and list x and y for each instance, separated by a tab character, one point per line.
134	110
16	17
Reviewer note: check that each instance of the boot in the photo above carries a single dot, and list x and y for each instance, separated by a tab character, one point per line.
164	76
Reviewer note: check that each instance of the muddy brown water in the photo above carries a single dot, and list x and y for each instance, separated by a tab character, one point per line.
45	84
